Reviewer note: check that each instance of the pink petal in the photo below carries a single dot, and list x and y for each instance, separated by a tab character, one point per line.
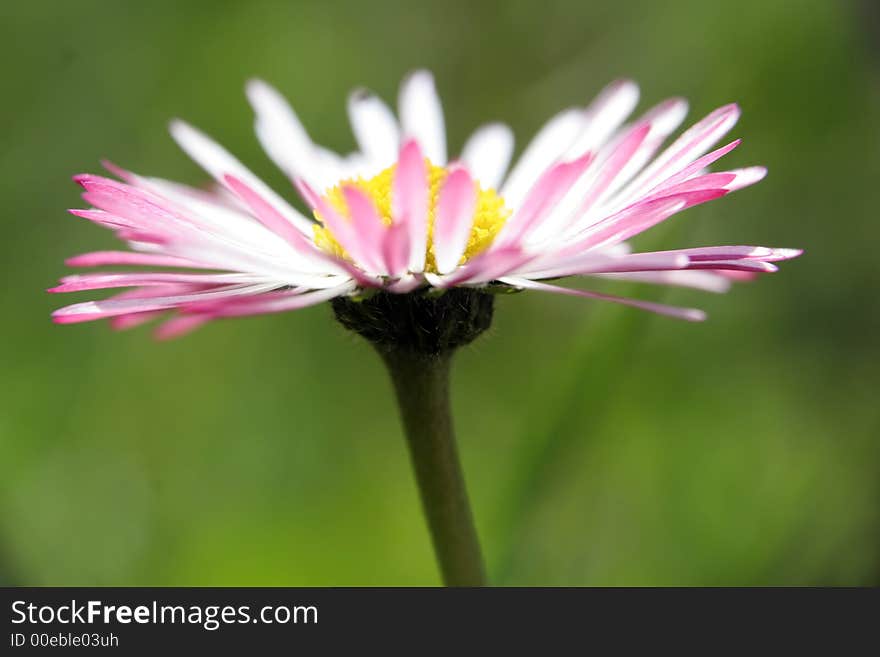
396	250
736	265
593	263
542	198
690	145
103	258
268	215
615	163
92	310
663	119
180	325
406	284
133	320
368	225
639	217
304	246
484	267
99	281
102	218
454	219
729	180
139	208
698	165
688	314
767	254
706	181
410	201
741	276
358	247
277	303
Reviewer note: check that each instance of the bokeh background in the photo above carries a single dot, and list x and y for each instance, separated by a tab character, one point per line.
602	446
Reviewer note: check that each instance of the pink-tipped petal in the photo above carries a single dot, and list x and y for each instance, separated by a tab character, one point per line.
455	217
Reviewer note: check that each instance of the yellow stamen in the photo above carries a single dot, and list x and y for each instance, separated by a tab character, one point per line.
490	213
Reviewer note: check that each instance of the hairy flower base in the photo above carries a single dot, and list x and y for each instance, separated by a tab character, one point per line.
425	323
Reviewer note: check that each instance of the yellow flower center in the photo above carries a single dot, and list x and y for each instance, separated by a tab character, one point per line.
490	213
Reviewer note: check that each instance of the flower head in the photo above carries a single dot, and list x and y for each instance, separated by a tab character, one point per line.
396	217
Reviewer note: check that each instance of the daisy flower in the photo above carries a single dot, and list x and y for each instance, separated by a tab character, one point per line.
411	248
398	217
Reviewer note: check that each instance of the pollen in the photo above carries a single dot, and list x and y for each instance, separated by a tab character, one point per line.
490	212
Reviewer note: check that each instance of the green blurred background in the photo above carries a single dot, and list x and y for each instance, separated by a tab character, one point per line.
602	446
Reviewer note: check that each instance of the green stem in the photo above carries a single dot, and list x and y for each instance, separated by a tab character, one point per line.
422	386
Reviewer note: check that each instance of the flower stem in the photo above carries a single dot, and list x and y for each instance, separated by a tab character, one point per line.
421	382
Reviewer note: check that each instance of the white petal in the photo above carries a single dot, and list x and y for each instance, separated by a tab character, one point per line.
698	280
551	142
605	114
421	115
374	127
487	153
280	132
688	314
219	162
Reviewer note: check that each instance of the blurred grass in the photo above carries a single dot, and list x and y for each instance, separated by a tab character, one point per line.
602	446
